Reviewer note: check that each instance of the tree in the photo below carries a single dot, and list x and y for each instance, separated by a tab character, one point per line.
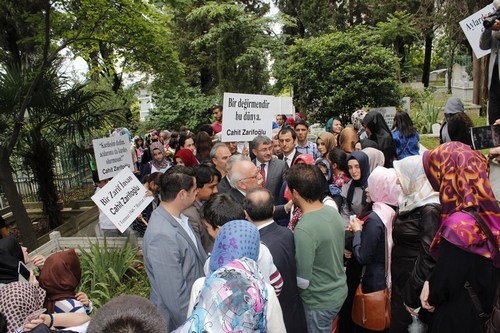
340	72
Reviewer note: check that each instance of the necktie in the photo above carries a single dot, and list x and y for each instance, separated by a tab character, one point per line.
263	174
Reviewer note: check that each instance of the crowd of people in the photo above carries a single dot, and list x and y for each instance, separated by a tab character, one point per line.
282	234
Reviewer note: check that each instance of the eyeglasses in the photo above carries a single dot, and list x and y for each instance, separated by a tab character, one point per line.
252	177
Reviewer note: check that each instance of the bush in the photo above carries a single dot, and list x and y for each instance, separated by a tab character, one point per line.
104	270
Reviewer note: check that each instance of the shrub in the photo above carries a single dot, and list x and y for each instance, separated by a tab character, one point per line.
104	269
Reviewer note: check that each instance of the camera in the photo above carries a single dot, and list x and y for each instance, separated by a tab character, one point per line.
490	19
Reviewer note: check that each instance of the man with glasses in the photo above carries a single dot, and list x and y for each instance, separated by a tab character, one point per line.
271	169
243	177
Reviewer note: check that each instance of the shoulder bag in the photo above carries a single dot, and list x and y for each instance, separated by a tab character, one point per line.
372	310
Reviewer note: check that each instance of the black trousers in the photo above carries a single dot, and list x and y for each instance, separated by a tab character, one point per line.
494	97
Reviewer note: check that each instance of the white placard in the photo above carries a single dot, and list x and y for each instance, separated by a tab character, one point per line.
122	199
473	28
246	116
285	106
112	155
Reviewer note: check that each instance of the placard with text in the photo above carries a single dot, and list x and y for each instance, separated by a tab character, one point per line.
122	199
112	155
473	28
246	116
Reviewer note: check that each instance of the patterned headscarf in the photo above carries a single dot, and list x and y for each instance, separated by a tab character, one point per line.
10	256
236	239
348	139
187	156
233	299
357	119
460	174
60	276
159	165
416	189
18	300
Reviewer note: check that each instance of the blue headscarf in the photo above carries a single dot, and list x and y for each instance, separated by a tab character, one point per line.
235	240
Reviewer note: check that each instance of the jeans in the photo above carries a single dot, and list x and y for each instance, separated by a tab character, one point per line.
319	321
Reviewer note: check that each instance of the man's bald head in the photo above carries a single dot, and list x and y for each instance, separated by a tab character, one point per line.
259	205
244	176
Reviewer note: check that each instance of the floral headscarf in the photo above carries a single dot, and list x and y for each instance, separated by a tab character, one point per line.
416	189
233	299
60	276
357	119
236	239
460	174
159	165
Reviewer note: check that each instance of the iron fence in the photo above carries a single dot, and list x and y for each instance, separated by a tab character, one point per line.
73	178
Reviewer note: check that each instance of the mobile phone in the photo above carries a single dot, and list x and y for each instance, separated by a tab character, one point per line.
24	272
484	137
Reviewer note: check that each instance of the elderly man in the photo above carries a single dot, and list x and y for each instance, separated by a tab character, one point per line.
271	169
243	177
219	154
224	186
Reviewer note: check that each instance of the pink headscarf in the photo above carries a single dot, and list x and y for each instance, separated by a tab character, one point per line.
385	191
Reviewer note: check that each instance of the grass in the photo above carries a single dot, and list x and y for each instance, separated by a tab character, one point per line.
429	142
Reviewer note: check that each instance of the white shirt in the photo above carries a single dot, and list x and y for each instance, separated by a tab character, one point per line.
266	166
289	158
184	222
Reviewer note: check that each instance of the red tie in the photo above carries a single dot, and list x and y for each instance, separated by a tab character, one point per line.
263	174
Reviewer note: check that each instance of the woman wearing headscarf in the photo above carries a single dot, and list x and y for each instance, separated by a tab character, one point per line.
372	237
59	278
295	211
452	107
461	248
348	139
234	297
414	229
357	122
11	254
159	161
354	191
378	131
185	157
325	142
375	157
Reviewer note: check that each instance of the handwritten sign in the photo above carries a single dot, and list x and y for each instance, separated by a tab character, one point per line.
246	116
122	199
472	27
112	155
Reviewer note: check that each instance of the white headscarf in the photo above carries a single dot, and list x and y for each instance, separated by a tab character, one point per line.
416	189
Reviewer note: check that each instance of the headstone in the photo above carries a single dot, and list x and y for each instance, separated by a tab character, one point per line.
388	112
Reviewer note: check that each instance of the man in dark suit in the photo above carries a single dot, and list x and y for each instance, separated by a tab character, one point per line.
258	207
271	169
287	137
243	177
173	254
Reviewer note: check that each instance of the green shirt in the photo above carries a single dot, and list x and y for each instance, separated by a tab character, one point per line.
319	251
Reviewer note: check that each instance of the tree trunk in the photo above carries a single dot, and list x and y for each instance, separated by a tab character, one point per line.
427	59
41	160
23	221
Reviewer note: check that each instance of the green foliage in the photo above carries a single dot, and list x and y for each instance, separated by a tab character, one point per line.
104	269
426	117
335	74
181	107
